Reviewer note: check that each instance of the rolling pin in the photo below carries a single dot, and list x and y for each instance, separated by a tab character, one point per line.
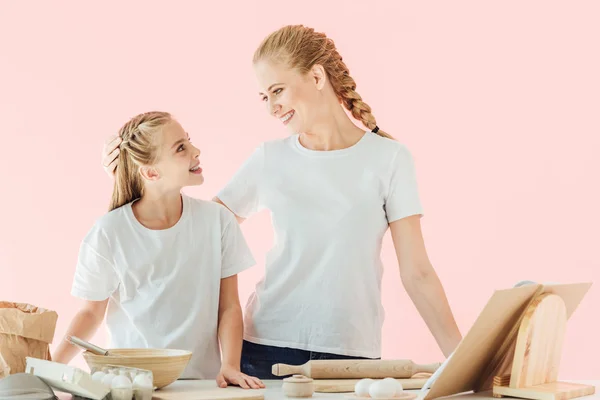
357	369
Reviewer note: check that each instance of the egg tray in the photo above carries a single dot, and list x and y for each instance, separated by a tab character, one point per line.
131	373
66	378
80	384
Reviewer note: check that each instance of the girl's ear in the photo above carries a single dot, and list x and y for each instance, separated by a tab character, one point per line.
149	173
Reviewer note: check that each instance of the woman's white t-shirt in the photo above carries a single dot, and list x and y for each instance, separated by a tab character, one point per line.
163	285
330	210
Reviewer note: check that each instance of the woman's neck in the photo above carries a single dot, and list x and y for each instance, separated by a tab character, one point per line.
158	210
336	133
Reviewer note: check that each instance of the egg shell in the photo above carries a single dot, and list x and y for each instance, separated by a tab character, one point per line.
142	381
121	393
399	388
142	394
121	382
382	389
107	379
98	375
362	387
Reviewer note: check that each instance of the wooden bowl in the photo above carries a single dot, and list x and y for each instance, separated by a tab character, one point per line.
298	386
166	365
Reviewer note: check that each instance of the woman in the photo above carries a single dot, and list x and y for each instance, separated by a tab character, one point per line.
333	189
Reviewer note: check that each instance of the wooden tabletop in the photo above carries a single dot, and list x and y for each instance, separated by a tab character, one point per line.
207	389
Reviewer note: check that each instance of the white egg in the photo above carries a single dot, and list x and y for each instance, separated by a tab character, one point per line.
382	389
121	388
362	387
120	382
98	375
121	394
399	388
142	381
107	379
143	387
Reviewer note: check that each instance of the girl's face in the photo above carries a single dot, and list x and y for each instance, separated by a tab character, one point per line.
289	95
178	163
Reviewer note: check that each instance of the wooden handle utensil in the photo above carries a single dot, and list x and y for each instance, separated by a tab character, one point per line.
92	348
357	369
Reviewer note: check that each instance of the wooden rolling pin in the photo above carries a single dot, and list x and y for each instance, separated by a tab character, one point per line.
357	369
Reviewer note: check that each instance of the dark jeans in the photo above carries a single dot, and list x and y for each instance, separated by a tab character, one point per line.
257	359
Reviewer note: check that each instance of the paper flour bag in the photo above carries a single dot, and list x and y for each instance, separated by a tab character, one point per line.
25	331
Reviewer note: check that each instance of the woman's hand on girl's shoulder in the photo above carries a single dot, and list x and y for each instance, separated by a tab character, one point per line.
110	154
232	375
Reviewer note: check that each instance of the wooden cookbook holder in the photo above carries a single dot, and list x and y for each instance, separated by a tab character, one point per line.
515	345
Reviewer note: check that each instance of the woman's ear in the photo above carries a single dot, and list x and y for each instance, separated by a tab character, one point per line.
319	76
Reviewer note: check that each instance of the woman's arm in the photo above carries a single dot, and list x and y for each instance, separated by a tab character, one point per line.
230	337
84	325
422	283
239	219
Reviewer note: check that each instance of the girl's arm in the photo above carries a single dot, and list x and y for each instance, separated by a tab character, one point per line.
422	283
230	337
110	153
84	325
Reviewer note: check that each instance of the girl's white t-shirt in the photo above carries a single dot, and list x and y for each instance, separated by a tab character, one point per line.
163	285
330	210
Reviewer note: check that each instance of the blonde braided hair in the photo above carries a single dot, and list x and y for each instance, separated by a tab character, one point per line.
138	147
301	48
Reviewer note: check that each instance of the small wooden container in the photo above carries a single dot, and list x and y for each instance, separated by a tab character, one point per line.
298	386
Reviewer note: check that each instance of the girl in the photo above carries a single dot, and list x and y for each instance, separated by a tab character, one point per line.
161	265
333	189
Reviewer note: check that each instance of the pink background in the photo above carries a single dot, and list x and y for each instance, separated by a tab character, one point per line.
498	103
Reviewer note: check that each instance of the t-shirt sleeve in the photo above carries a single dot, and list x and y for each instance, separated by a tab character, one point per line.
95	276
403	198
235	253
242	193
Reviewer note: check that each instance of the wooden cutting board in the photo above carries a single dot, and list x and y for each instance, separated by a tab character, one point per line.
347	385
479	356
539	342
197	390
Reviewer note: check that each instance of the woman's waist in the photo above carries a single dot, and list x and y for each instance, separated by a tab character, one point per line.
314	311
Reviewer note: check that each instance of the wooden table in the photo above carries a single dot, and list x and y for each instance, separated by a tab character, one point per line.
196	389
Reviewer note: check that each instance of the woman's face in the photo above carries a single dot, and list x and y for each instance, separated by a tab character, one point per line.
290	96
